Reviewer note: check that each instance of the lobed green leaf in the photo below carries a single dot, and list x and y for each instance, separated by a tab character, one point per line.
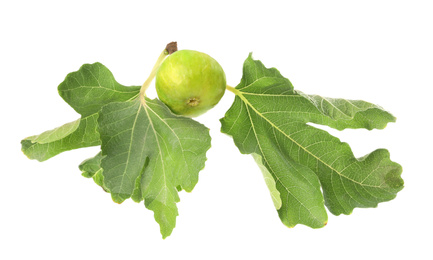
92	87
269	118
62	139
87	91
91	168
55	134
149	153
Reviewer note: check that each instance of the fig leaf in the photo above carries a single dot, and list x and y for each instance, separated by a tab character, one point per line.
269	118
85	90
148	153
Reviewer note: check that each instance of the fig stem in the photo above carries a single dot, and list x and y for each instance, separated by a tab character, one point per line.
169	49
152	74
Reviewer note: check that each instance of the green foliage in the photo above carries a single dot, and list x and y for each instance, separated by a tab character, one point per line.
269	118
149	154
91	168
149	151
87	91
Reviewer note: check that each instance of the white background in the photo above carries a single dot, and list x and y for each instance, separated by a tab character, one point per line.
378	51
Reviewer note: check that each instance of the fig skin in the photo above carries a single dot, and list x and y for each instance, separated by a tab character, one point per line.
190	82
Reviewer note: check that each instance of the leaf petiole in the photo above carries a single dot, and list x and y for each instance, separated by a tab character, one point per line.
232	89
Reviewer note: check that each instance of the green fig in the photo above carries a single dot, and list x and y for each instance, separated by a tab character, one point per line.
190	82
